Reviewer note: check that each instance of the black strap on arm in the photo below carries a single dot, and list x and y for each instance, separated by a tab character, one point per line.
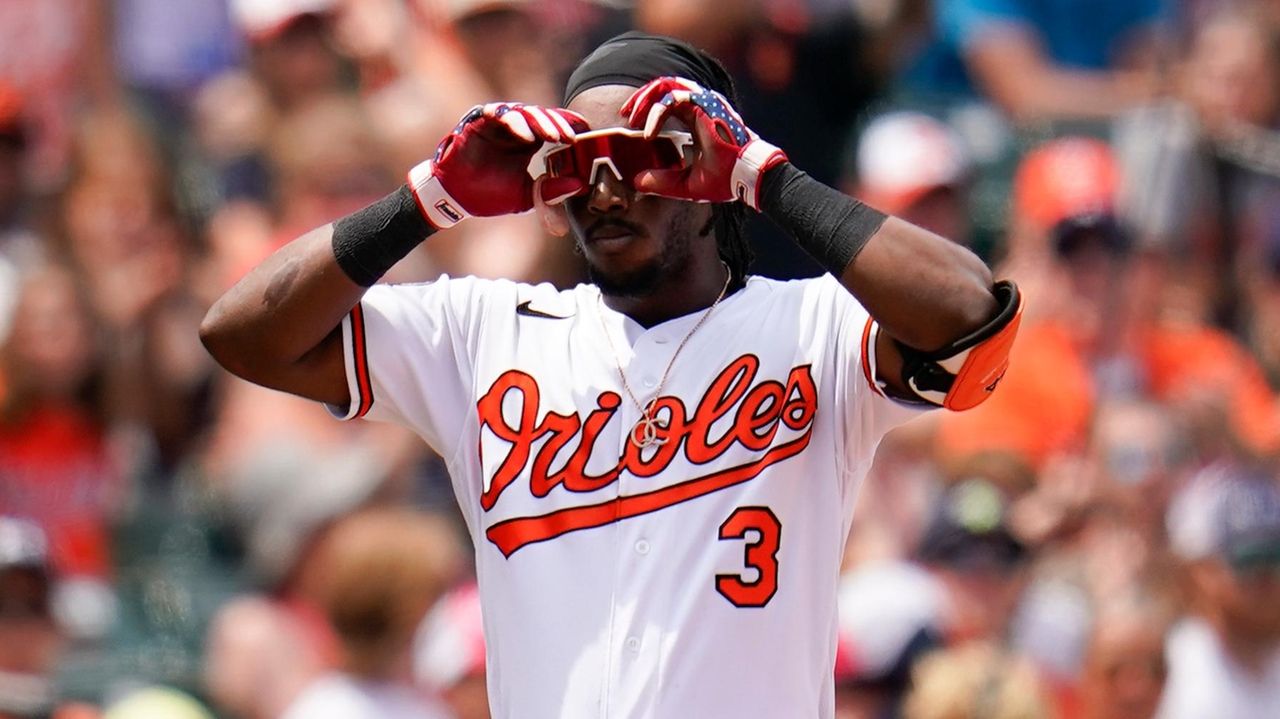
368	242
828	224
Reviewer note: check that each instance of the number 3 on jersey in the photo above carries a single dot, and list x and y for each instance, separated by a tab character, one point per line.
761	555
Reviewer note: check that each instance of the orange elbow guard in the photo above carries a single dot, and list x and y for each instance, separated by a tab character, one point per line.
963	374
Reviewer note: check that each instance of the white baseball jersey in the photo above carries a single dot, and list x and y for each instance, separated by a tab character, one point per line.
693	578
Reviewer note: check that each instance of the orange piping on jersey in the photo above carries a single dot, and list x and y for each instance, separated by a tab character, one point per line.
360	357
866	358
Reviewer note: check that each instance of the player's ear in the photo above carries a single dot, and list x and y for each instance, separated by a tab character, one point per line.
549	196
555	219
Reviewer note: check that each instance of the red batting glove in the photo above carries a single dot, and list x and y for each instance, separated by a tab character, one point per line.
730	159
481	168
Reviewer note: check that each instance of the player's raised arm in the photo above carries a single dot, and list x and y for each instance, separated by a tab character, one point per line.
279	326
944	328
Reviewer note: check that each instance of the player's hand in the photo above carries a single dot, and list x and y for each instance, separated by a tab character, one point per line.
729	159
481	168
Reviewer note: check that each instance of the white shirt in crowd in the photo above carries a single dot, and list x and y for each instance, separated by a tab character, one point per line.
338	696
1204	681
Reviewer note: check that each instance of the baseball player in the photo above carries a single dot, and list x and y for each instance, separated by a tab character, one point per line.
658	468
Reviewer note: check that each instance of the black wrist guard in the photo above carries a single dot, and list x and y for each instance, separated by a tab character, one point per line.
827	223
368	242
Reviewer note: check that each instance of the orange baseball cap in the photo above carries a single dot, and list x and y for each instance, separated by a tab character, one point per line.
1064	179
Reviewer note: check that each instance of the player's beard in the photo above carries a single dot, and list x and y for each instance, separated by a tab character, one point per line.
647	278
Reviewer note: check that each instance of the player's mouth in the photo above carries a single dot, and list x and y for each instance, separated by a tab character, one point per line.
612	232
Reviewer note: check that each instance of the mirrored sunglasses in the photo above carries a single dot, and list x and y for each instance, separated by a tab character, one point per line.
624	153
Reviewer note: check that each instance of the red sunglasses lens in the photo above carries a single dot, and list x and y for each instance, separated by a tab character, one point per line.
629	154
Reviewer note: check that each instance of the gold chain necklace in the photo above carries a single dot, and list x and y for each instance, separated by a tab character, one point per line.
645	433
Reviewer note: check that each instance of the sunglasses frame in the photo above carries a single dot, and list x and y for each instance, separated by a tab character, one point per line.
540	165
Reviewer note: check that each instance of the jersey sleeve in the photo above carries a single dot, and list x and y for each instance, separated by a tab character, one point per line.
409	357
866	413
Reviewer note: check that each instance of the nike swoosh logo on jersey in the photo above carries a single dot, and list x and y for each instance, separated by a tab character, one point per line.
524	309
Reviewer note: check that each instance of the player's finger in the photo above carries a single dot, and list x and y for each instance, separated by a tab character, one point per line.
562	125
658	94
515	122
728	106
495	109
659	113
642	100
576	122
541	123
653	93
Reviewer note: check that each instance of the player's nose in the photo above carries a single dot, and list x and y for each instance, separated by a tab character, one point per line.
608	194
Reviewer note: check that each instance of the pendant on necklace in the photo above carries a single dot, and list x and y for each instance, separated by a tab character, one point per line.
645	433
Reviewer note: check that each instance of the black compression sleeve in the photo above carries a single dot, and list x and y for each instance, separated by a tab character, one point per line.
827	223
368	242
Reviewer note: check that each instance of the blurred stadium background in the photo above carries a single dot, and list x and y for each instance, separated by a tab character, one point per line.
1102	539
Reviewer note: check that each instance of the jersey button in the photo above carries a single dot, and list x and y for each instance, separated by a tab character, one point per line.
633	644
642	546
661	339
649	382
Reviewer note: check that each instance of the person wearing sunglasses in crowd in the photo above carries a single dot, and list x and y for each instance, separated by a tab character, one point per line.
657	468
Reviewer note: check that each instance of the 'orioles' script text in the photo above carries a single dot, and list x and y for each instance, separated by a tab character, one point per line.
756	411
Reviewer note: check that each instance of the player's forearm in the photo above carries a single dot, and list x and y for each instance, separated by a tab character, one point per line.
923	289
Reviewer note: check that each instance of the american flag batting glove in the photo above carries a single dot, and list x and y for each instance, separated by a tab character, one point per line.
481	168
732	159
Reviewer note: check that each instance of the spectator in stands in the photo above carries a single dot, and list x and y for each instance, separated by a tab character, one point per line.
56	466
58	55
381	571
976	681
1224	658
133	258
1044	59
18	243
915	167
1124	668
30	640
1097	326
1202	169
264	648
291	50
890	615
979	564
155	703
449	659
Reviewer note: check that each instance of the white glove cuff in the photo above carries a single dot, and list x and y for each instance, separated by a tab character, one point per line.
437	205
754	159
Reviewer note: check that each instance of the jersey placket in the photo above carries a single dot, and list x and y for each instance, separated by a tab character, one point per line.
634	657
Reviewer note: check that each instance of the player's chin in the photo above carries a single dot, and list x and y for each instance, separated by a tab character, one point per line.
629	280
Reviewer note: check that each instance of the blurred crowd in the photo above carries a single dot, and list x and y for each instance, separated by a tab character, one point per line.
1101	539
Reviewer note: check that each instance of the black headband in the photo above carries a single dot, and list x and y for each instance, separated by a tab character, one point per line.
634	58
